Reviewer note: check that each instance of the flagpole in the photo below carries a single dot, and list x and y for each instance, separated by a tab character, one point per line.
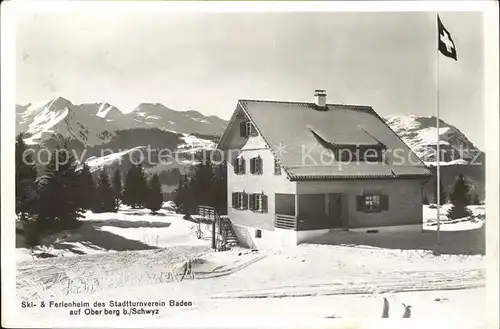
438	149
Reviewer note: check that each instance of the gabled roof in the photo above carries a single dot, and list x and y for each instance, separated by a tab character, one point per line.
299	134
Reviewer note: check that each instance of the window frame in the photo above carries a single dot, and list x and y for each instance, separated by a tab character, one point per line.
372	203
239	165
371	154
259	164
236	200
248	201
257	202
248	128
241	200
277	167
256	165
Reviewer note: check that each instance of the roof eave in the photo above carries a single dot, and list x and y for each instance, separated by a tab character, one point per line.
355	177
228	127
248	114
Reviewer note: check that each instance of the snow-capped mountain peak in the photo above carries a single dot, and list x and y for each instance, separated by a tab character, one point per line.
420	134
40	121
95	123
191	121
53	104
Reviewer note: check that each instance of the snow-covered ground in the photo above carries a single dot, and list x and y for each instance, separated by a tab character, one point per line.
129	229
461	224
96	163
193	144
444	163
138	229
190	146
133	255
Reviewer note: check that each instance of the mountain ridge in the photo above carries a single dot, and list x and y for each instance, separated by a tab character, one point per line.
97	122
99	125
94	123
420	134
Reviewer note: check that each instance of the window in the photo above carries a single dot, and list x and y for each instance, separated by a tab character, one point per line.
372	202
372	155
258	234
311	206
239	166
284	204
355	154
258	202
346	155
240	200
277	167
235	200
256	165
247	129
243	200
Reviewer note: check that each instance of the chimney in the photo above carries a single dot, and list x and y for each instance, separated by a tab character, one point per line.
320	96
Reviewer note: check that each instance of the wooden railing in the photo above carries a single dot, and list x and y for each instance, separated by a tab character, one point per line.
286	222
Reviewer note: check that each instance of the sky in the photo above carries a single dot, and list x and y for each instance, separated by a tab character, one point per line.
207	61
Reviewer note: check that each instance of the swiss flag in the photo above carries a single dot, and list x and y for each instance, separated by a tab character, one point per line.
446	44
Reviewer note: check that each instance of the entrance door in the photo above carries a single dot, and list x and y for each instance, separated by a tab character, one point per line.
334	209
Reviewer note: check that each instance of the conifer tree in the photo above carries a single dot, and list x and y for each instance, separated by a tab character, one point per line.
117	187
207	186
60	206
87	188
181	195
135	189
142	187
459	199
155	195
178	196
105	193
128	196
475	199
220	186
202	184
26	180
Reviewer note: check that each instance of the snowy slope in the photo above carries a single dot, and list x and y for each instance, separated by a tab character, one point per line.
134	255
420	134
160	116
97	163
193	144
307	281
186	150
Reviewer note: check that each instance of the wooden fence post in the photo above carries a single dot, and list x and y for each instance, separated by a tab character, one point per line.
213	235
